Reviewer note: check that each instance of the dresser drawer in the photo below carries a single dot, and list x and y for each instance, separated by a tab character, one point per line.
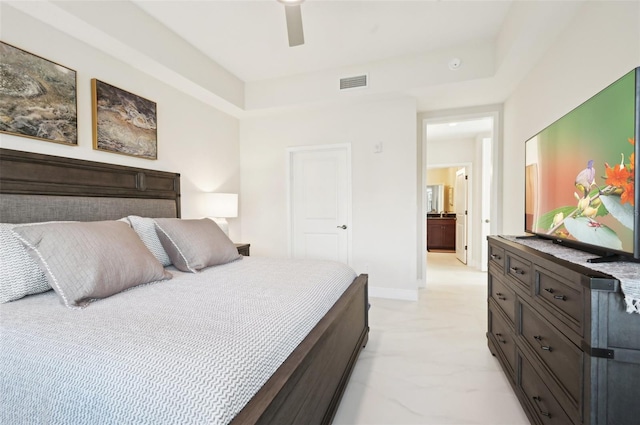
519	269
555	292
560	355
539	398
503	296
503	338
496	256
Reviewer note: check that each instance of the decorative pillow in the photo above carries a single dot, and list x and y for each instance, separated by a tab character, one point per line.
146	229
195	244
90	260
19	274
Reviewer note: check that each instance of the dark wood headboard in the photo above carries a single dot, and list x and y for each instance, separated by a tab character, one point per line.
34	175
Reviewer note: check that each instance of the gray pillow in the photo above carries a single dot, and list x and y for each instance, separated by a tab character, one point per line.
195	244
19	274
146	229
84	261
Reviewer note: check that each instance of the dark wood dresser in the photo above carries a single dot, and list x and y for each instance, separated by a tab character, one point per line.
563	338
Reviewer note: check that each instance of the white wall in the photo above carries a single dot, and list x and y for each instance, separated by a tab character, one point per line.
194	139
448	152
384	184
600	45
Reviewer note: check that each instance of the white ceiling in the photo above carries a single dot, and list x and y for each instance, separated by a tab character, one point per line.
249	38
405	44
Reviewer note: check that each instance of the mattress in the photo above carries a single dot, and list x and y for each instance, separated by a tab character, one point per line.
191	350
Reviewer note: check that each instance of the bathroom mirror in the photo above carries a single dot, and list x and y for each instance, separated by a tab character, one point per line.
435	198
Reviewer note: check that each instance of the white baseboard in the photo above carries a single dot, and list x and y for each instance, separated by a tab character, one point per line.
394	294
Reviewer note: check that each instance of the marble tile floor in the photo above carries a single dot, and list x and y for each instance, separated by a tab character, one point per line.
427	362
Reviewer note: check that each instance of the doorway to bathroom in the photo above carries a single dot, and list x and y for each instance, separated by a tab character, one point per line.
450	143
447	216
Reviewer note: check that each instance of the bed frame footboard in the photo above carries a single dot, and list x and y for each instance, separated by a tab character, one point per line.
307	388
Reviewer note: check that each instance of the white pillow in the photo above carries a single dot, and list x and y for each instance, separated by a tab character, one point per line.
20	275
146	228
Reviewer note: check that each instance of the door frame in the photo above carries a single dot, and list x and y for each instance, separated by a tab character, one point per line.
485	184
436	117
468	213
289	153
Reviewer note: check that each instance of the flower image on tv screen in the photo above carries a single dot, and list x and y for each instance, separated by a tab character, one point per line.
580	172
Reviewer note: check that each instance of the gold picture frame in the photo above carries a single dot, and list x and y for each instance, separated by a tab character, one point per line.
123	123
38	97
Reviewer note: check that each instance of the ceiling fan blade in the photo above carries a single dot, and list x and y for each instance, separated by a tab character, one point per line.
294	25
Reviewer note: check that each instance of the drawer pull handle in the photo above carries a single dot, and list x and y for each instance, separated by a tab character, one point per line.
495	257
556	297
543	347
500	339
537	400
501	296
517	270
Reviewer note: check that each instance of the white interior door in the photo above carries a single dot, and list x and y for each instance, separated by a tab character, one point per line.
460	195
320	197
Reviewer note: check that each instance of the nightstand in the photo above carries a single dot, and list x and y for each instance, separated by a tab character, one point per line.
243	248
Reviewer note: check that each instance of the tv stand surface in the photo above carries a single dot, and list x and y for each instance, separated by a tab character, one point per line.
562	336
604	255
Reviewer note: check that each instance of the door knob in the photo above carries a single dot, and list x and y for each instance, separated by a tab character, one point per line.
344	226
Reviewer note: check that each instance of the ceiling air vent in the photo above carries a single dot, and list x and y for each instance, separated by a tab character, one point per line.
355	82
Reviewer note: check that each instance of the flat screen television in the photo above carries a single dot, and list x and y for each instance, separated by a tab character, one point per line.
581	184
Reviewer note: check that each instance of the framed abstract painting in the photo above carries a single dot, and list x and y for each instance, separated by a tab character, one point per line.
37	97
123	122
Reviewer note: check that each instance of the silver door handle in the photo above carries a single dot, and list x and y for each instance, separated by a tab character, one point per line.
344	226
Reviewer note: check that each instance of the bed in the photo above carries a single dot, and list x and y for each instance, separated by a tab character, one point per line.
152	353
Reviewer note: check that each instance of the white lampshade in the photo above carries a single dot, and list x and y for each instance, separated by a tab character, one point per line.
223	205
